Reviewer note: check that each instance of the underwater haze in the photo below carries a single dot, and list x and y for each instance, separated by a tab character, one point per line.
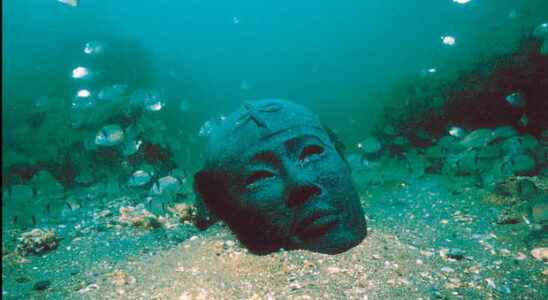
107	107
323	54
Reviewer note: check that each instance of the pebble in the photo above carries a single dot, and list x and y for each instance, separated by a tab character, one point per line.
455	253
521	256
491	283
540	253
41	285
447	270
74	272
22	279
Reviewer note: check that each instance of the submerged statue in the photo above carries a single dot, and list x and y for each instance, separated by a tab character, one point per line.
278	179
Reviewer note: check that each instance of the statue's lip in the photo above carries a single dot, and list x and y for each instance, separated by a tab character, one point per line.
317	224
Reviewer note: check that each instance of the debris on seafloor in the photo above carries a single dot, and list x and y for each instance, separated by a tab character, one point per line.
139	217
185	212
121	278
540	253
36	242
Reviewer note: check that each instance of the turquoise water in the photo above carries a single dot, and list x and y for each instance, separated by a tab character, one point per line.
160	70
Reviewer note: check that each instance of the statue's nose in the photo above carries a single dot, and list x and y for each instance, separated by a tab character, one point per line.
301	194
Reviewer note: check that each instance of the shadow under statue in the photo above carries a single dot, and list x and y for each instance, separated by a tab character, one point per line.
278	178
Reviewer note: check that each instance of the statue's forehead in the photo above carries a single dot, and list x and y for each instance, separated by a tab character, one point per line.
267	117
257	122
283	142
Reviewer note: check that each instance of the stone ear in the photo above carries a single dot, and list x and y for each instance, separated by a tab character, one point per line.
339	146
211	197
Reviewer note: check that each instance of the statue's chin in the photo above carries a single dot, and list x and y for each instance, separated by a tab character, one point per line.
337	240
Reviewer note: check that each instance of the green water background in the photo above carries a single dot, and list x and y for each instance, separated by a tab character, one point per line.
340	58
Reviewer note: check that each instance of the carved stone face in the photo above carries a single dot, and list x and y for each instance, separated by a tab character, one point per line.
289	188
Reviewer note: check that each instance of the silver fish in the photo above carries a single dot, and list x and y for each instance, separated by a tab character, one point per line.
457	132
516	99
112	92
109	135
72	3
523	121
541	31
139	178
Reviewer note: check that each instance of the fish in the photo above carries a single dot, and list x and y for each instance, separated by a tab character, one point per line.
524	120
83	100
156	106
516	99
448	40
541	31
80	72
131	147
544	48
457	132
93	47
112	92
165	184
139	178
150	99
109	135
427	72
72	3
184	106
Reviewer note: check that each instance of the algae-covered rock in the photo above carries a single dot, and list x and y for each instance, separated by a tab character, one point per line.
417	163
45	185
139	217
489	152
526	189
519	144
477	138
462	164
504	132
447	142
537	209
434	152
522	164
11	158
185	212
36	242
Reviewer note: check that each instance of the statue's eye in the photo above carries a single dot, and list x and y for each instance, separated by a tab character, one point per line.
309	152
258	176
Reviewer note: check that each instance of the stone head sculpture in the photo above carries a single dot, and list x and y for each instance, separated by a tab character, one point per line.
278	179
